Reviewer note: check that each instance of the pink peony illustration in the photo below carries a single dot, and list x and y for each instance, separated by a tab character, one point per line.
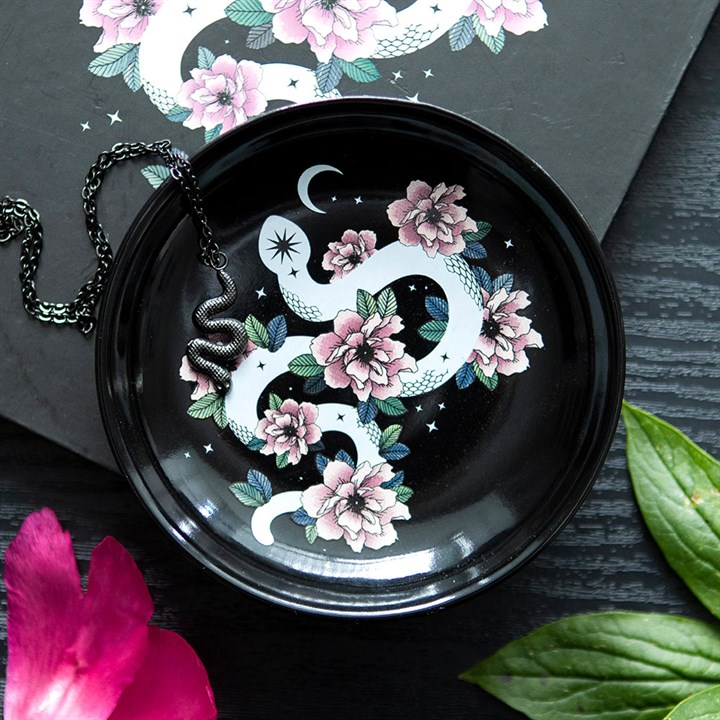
343	28
360	354
84	655
430	218
505	334
350	503
289	429
346	254
515	16
122	21
203	384
226	94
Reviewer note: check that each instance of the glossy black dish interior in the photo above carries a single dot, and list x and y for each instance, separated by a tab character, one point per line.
494	472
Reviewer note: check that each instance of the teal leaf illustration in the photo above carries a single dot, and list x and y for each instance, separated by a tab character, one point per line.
328	75
256	444
503	282
281	461
206	58
621	665
367	411
260	482
277	332
305	366
155	174
366	305
114	60
483	278
404	493
474	251
321	462
461	34
311	533
247	494
362	70
260	36
342	456
302	518
704	705
314	385
387	303
256	331
489	382
131	75
472	236
494	42
212	133
205	407
395	452
465	376
392	407
677	486
395	481
274	401
433	330
178	113
248	12
437	307
220	415
390	436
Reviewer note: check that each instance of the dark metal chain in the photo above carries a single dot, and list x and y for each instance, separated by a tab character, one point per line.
18	218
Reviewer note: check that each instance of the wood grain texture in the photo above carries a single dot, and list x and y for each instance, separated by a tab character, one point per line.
264	661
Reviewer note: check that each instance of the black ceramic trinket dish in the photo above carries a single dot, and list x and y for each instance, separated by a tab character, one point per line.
435	366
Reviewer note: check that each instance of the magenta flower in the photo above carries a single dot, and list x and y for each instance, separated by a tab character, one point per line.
202	383
350	503
289	429
91	656
430	218
360	354
345	255
515	16
226	94
122	21
505	335
343	28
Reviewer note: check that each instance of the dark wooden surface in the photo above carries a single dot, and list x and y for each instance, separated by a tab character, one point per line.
264	661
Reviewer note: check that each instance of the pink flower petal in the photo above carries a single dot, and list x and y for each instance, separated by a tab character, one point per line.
172	684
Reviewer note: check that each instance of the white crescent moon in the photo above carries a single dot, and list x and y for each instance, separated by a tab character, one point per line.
304	183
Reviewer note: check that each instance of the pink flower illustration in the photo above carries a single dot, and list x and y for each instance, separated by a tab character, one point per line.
360	354
505	334
75	655
122	21
350	503
343	28
515	16
289	429
226	94
346	254
430	218
203	384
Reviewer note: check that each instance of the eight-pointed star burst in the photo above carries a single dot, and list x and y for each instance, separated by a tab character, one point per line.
283	246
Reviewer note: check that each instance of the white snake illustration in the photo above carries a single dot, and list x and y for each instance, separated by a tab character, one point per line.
319	302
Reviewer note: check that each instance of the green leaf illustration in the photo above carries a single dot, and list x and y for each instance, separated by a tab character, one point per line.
220	415
305	366
256	331
155	174
282	460
387	303
433	330
247	494
489	382
178	113
311	533
275	401
206	58
392	407
494	42
461	34
362	70
205	407
328	75
704	705
677	486
483	229
213	133
390	435
131	75
404	493
624	666
365	303
248	12
114	60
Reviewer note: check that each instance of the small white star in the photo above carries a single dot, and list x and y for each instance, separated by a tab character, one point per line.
412	98
509	244
208	448
428	73
358	200
114	117
187	455
431	426
334	198
85	126
412	288
227	42
398	75
418	408
441	406
261	293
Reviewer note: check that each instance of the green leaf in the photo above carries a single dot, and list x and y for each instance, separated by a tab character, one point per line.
489	382
275	401
114	60
483	229
248	12
365	303
213	133
404	493
677	486
390	435
220	415
205	407
362	70
494	42
392	407
247	494
305	366
282	460
206	58
178	113
704	705
131	75
155	174
311	533
433	330
619	666
387	303
256	331
328	75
